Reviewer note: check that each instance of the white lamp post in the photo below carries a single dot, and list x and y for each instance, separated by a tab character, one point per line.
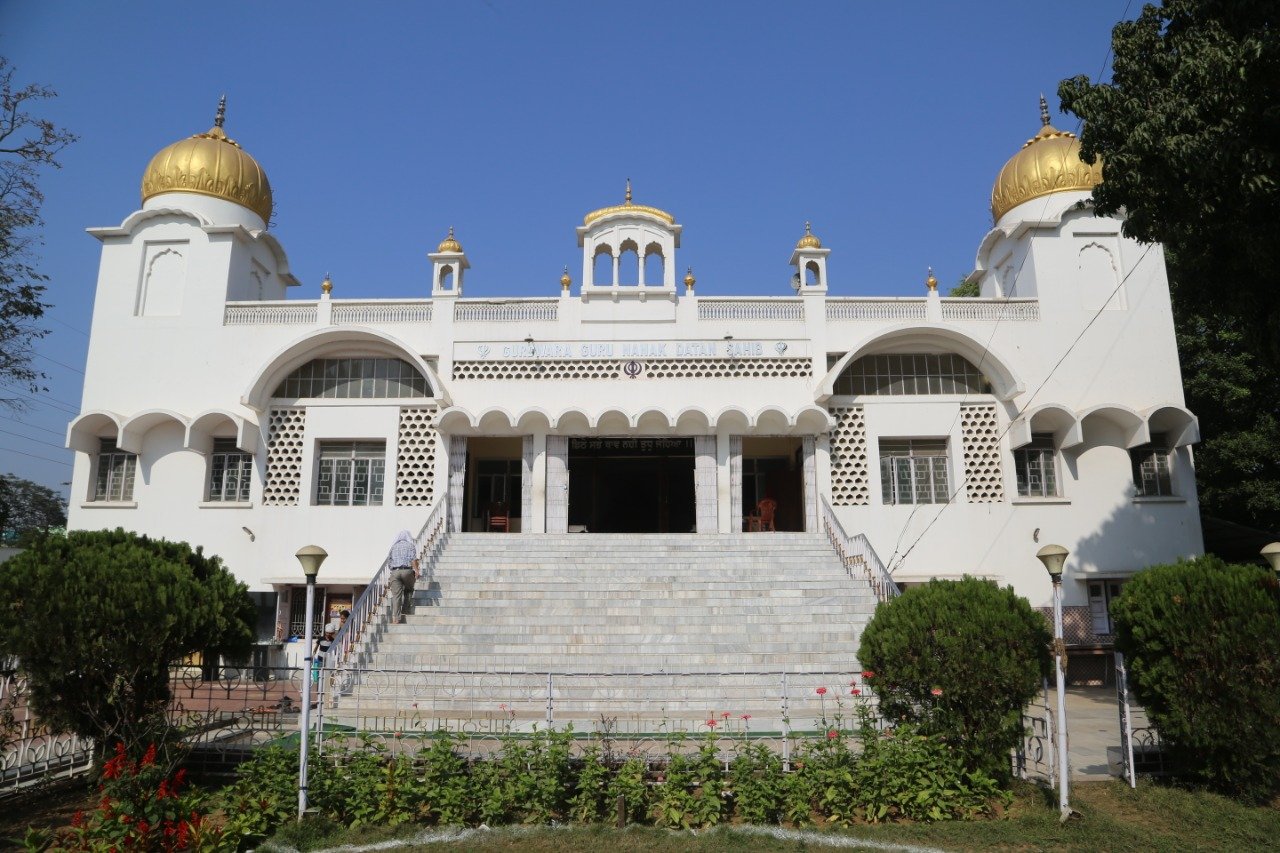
1053	557
1271	553
310	557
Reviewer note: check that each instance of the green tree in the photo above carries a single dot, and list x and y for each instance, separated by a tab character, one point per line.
961	659
1188	130
28	509
1202	642
966	287
28	143
96	618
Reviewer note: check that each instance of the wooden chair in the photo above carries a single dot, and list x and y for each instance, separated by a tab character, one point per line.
499	520
765	512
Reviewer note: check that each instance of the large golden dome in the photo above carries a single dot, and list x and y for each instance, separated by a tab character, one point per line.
628	207
212	164
1049	162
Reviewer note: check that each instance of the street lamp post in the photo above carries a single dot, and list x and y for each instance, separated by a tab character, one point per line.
1271	553
310	557
1053	557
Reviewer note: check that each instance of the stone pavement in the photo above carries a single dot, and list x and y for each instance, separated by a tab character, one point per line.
1093	730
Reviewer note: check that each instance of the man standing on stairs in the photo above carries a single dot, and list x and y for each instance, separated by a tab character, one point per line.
404	573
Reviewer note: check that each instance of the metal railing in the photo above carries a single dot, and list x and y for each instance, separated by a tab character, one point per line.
29	751
369	613
857	551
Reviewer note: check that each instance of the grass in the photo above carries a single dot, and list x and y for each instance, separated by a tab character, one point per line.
1112	818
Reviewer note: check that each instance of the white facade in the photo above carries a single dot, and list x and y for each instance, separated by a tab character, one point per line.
193	338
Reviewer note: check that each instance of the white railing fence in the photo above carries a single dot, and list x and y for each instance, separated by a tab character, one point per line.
29	752
860	308
506	310
856	553
965	308
764	308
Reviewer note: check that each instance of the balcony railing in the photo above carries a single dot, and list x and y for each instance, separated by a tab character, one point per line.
750	309
907	308
506	310
284	313
963	308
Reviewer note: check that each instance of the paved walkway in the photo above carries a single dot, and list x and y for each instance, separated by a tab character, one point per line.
1093	728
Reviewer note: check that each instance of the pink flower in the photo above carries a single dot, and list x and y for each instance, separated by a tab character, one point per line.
399	734
822	691
937	691
746	716
833	734
725	714
856	692
712	722
502	707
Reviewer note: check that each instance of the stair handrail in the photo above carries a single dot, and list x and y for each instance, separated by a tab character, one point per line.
857	550
369	611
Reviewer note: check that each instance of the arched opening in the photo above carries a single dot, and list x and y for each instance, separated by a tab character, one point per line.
446	278
354	379
654	264
602	266
902	374
812	278
629	263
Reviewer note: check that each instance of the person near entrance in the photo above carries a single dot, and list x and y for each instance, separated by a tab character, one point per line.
403	559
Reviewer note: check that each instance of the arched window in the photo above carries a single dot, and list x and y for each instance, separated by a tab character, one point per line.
628	263
354	379
653	265
912	373
602	266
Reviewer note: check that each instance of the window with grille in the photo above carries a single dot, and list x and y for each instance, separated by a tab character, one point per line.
230	470
1036	468
913	471
1152	470
912	373
351	473
116	468
354	379
298	612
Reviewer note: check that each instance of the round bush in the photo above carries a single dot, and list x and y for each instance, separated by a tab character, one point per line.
1202	642
961	659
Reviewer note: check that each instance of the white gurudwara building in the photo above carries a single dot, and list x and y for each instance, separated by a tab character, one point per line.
626	408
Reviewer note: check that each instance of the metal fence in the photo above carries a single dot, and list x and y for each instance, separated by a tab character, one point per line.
29	752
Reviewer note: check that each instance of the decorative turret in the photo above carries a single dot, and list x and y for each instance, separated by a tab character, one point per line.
810	261
626	234
448	263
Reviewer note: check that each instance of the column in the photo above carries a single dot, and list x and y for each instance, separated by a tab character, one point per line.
705	483
457	479
557	484
735	483
810	485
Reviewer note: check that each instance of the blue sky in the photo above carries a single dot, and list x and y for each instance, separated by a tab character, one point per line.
381	124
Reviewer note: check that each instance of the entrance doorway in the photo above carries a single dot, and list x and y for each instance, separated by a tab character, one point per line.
773	469
493	496
631	485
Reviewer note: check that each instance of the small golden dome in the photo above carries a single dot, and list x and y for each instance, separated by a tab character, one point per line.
931	282
565	281
211	164
809	240
628	207
1049	162
689	280
327	285
448	244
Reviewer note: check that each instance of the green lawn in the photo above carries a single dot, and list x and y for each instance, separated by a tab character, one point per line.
1112	817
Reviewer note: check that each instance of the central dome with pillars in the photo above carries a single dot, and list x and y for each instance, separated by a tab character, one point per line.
628	233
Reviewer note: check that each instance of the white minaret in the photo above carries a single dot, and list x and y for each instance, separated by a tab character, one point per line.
448	262
810	261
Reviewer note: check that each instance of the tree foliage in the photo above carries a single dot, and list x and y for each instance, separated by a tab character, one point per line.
27	509
966	287
1202	643
1188	129
961	659
28	143
96	618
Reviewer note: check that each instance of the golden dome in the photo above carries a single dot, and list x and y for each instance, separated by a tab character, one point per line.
1049	162
628	207
809	240
689	280
448	244
210	164
565	280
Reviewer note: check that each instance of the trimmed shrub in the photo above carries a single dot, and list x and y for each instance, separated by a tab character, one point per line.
1201	640
960	660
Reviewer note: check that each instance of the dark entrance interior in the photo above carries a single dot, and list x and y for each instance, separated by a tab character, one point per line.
631	485
772	468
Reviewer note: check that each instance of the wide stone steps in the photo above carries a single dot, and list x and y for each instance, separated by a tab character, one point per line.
730	612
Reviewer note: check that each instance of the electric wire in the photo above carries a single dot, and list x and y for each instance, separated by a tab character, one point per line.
36	456
29	438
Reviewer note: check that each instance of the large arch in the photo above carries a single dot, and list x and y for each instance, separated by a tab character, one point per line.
1005	382
84	432
333	342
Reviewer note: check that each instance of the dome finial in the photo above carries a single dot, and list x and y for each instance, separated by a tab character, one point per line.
809	240
565	280
628	199
222	112
931	282
1044	111
450	243
326	286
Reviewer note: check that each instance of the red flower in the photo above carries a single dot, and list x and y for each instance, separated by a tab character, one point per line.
150	757
724	714
856	692
179	778
937	691
712	722
833	734
78	818
866	673
163	790
822	691
746	716
143	827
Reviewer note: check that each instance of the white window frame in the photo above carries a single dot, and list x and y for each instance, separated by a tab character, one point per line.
1035	468
914	471
115	474
1152	470
230	473
343	466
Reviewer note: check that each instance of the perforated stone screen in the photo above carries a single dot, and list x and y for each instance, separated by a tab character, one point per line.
850	473
283	483
983	471
690	368
416	457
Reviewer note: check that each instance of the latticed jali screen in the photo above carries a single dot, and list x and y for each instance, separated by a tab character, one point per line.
983	471
416	457
284	457
850	474
690	368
